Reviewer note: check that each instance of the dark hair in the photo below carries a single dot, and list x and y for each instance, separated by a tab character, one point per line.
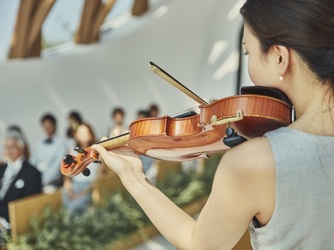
154	107
142	113
117	110
16	128
303	25
75	115
49	117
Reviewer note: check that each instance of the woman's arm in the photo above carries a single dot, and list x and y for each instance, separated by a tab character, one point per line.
234	200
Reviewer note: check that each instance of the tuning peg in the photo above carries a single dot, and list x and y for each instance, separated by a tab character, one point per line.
68	159
86	172
79	150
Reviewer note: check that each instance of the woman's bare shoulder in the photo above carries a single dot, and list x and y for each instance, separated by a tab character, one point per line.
253	154
251	168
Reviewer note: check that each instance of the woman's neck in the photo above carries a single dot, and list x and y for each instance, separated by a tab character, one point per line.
314	107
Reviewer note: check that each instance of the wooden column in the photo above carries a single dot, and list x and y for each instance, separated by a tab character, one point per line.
93	15
139	7
26	40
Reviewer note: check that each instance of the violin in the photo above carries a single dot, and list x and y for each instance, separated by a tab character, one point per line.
218	126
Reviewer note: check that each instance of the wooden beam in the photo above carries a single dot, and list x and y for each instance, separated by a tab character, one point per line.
140	7
26	40
87	17
21	30
93	15
40	15
102	13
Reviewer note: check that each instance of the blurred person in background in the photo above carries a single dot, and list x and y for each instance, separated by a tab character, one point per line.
77	195
48	154
142	114
153	110
74	120
18	129
118	127
18	178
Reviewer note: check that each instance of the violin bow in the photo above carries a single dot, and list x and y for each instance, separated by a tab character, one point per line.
164	75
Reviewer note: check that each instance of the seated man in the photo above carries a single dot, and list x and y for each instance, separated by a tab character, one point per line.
48	153
18	178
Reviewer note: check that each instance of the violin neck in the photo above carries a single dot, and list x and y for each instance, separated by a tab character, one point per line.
115	142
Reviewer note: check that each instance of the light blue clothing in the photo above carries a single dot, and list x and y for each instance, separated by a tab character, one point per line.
80	183
303	217
146	161
80	204
47	158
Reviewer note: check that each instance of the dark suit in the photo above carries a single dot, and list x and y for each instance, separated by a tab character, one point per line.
27	182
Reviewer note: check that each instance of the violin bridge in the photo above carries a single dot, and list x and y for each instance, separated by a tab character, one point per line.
215	121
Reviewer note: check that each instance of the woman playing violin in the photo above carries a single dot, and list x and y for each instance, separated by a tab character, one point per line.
280	186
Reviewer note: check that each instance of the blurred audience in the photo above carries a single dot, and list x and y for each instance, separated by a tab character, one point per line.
142	114
74	119
18	178
48	154
153	110
77	190
118	127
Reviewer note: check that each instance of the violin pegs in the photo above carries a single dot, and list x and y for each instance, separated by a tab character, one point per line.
86	172
99	162
68	159
80	150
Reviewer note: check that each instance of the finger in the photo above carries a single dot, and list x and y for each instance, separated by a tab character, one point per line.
101	150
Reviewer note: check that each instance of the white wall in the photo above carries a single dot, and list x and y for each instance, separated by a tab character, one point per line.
95	78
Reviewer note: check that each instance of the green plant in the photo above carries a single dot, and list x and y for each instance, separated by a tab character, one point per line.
117	217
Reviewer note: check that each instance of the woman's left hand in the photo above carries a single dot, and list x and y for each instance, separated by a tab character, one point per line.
121	160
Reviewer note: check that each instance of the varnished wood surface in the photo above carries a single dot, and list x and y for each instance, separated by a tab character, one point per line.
194	137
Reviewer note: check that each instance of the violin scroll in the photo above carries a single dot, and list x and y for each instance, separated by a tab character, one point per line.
71	165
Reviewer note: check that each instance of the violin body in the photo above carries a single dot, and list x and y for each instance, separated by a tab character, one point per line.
183	139
251	114
176	139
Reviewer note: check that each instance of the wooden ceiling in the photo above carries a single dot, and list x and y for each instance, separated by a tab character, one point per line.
27	36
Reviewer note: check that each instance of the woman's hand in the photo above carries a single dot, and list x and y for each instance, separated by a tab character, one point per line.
121	160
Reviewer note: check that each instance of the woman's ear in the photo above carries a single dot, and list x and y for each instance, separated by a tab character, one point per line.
283	58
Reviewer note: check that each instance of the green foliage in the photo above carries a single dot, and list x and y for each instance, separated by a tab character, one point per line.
118	217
